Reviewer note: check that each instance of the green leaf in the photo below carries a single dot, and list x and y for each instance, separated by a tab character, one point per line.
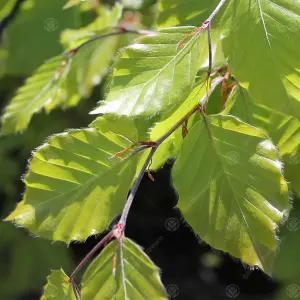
136	276
94	59
58	287
46	88
73	188
170	147
44	20
283	129
262	45
62	81
188	12
152	76
231	189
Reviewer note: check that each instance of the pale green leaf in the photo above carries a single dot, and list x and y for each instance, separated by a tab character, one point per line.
58	287
46	88
73	188
170	147
152	76
231	190
283	129
136	277
262	41
62	81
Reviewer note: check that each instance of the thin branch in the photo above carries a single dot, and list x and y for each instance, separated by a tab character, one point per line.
209	51
7	20
215	12
104	240
134	189
121	30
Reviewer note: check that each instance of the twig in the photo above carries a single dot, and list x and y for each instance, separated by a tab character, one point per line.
209	51
121	30
216	10
104	240
134	189
6	21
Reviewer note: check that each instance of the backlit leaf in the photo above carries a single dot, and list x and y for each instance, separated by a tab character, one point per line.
73	188
231	190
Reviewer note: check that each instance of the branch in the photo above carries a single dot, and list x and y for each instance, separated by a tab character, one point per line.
121	30
6	21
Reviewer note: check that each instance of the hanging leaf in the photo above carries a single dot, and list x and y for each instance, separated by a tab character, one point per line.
283	129
58	287
152	76
73	188
136	277
231	190
46	88
262	45
63	80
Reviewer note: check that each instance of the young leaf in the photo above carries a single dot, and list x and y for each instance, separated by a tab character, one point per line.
231	189
152	76
136	277
94	59
44	88
62	81
58	287
73	188
283	129
262	45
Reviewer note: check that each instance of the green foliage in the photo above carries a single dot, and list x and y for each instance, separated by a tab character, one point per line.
239	210
152	76
262	42
58	287
234	132
62	80
132	268
71	188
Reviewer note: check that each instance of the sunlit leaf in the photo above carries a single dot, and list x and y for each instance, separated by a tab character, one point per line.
47	88
73	188
231	190
136	277
63	80
283	129
58	287
262	45
152	76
